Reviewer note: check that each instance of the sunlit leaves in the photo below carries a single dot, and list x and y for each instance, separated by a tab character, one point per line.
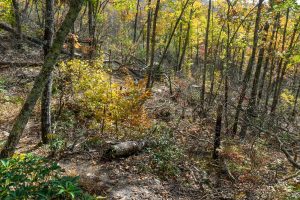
110	103
287	97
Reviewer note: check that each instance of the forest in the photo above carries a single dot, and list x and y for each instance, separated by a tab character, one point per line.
150	99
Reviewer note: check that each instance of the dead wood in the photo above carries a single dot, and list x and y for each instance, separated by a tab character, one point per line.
7	28
124	149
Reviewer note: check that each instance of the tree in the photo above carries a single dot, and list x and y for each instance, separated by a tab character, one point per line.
47	93
153	42
41	80
17	22
252	102
202	96
247	74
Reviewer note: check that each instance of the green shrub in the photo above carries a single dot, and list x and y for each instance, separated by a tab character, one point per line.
165	156
27	176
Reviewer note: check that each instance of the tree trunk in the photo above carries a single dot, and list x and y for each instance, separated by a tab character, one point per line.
149	20
153	42
202	96
136	21
226	68
47	93
91	22
280	62
266	64
296	100
172	35
252	102
217	140
283	70
272	67
18	24
41	80
248	71
242	63
186	41
124	149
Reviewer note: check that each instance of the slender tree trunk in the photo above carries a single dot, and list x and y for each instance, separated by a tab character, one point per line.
172	34
91	22
227	67
179	47
248	71
278	71
136	21
197	48
242	63
186	41
41	80
18	24
272	68
153	42
217	140
266	64
148	37
296	101
249	114
283	70
47	93
72	43
216	62
202	97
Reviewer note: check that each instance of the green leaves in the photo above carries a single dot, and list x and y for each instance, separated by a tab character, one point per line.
26	176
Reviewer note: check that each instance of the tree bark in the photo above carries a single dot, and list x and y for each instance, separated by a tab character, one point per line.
252	102
283	70
248	71
18	24
296	101
186	41
217	140
267	61
272	67
148	37
202	96
136	21
47	93
281	60
153	43
41	80
124	149
91	22
172	34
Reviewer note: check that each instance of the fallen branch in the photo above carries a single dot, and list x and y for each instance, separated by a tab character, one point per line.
124	149
7	28
227	171
291	176
282	148
19	64
33	40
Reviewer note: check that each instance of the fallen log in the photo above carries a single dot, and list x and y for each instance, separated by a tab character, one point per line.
124	149
4	64
33	40
7	28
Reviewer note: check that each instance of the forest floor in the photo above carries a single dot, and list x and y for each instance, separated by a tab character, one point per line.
256	169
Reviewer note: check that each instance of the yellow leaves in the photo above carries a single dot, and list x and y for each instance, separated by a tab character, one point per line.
287	97
5	10
74	38
19	156
107	101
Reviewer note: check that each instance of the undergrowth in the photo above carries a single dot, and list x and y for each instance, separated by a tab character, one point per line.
26	176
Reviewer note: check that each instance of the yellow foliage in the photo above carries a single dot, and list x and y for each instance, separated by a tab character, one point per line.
111	104
287	97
